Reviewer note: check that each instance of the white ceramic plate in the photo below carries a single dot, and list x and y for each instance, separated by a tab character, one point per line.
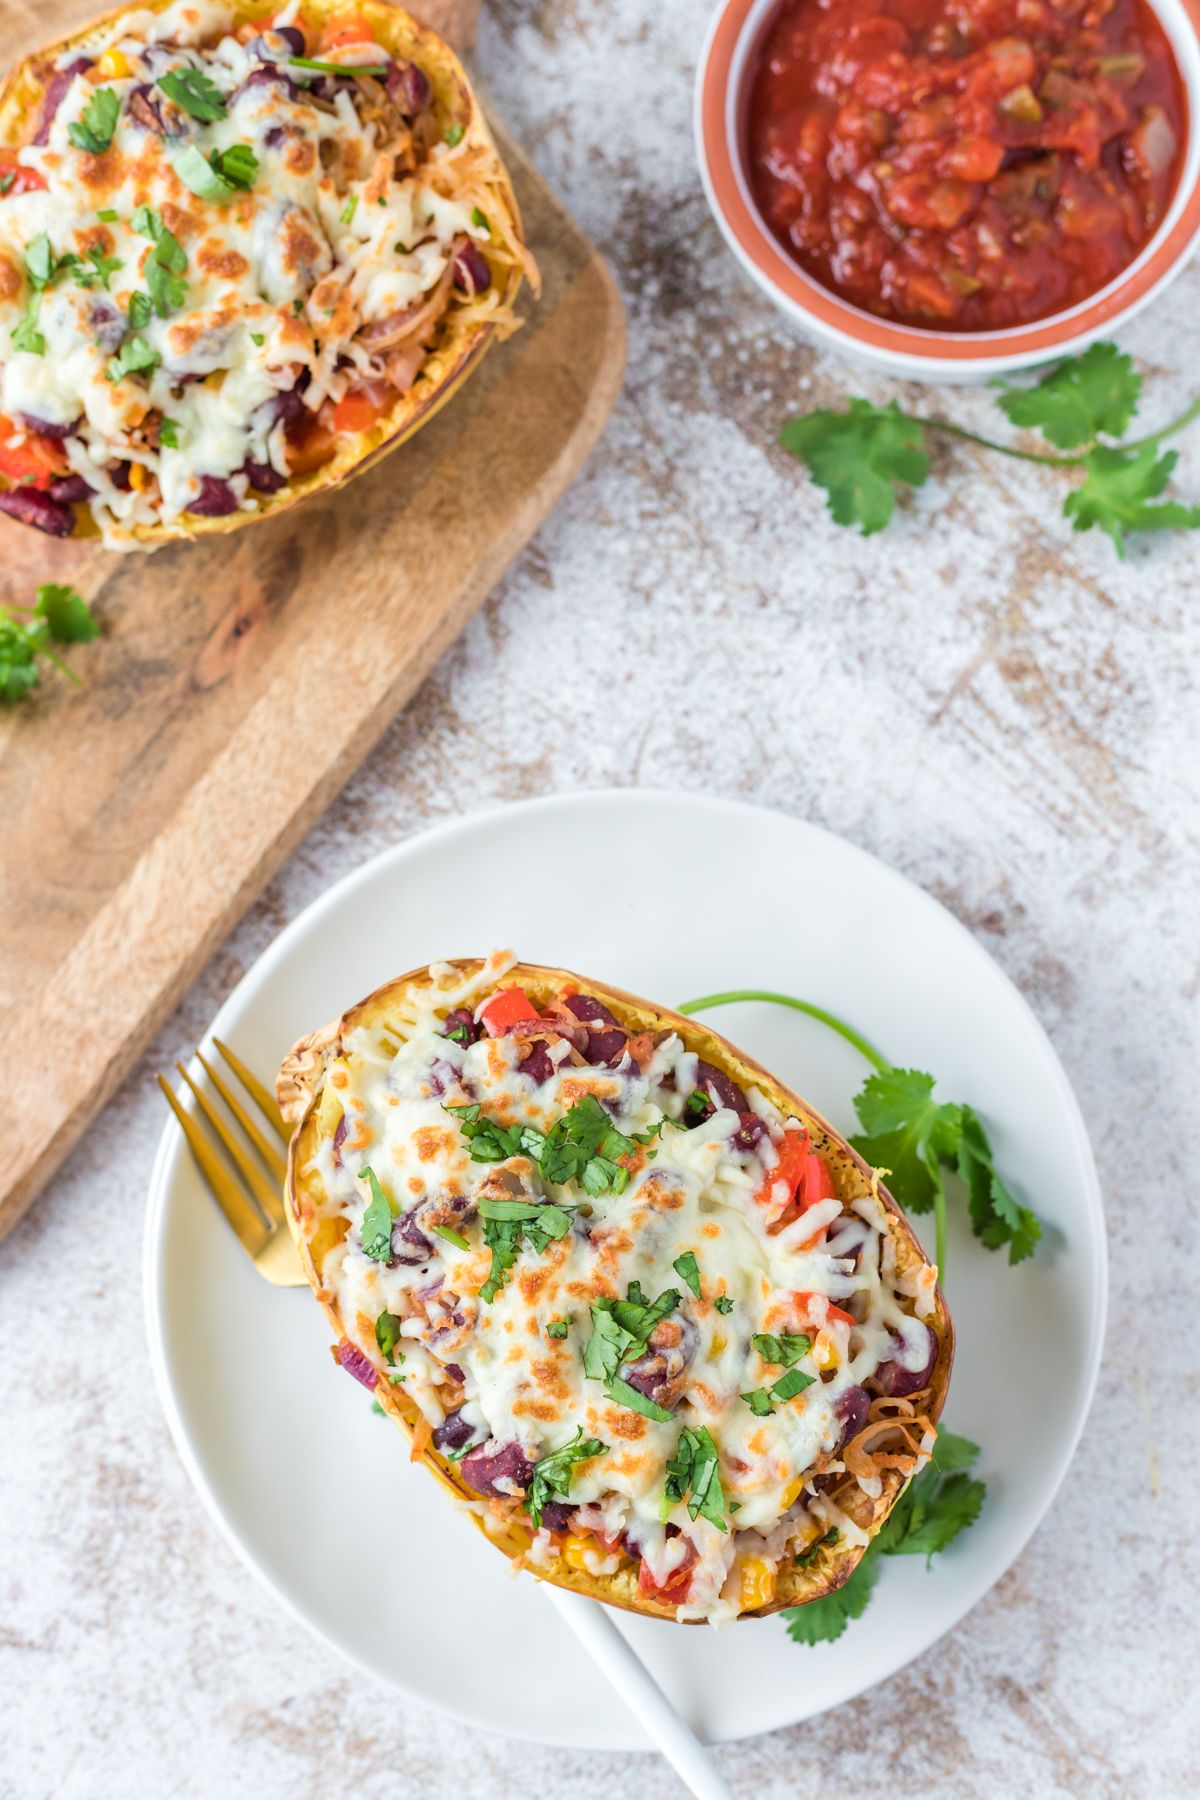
670	896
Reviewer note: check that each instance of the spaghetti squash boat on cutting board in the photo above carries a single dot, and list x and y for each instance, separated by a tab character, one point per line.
654	1325
245	252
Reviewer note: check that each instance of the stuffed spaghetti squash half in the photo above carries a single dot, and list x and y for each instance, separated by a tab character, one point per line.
657	1328
245	251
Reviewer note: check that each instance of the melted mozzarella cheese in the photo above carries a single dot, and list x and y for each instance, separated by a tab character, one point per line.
279	278
695	1190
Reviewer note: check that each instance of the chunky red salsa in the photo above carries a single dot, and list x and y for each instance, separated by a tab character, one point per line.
964	164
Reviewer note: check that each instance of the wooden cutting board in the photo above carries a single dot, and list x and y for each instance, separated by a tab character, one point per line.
239	683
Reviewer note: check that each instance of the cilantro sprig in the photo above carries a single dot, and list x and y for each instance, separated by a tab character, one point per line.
620	1334
552	1475
942	1502
58	616
694	1475
583	1146
917	1138
507	1224
865	455
94	130
194	92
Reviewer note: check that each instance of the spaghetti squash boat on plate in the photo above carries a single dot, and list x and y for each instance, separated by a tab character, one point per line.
244	252
648	1318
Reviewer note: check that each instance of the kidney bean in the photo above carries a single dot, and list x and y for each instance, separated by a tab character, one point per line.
263	478
850	1409
606	1042
453	1432
893	1379
70	488
658	1373
56	93
750	1132
460	1025
482	1469
265	76
556	1515
32	507
277	44
408	87
537	1064
409	1243
215	499
48	427
471	272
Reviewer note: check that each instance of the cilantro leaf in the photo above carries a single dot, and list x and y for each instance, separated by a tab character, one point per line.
94	132
19	671
693	1474
935	1515
375	1232
784	1350
68	618
387	1335
506	1224
996	1217
1089	394
102	269
824	1620
141	311
193	92
552	1475
686	1268
454	135
791	1384
609	1344
488	1140
503	1240
134	358
619	1390
759	1402
723	1303
168	433
42	267
859	457
558	1328
216	176
907	1132
951	1452
1117	492
27	337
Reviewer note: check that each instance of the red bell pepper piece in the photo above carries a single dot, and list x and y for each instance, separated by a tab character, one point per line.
27	457
675	1592
509	1007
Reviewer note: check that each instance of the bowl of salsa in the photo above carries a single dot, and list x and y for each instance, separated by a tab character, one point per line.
955	188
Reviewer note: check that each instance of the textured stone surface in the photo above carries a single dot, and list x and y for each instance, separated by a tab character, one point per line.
1002	711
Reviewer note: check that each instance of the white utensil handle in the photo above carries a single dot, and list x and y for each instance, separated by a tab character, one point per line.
640	1692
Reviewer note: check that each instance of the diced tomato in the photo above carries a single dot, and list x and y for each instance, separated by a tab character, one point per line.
347	28
676	1590
832	1313
359	409
806	1175
15	178
509	1007
29	458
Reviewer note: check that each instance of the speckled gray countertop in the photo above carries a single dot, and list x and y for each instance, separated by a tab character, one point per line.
1001	710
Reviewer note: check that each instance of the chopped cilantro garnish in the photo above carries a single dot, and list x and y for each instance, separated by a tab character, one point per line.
452	1237
620	1332
26	335
693	1474
686	1268
346	217
759	1402
508	1223
108	216
479	220
791	1384
558	1328
217	176
102	269
784	1350
134	358
723	1303
94	132
193	92
257	337
454	135
620	1391
168	433
387	1334
59	616
551	1477
375	1233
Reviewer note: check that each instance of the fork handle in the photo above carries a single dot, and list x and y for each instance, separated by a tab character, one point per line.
641	1693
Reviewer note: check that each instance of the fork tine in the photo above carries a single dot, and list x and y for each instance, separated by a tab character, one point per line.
270	1155
254	1178
230	1197
254	1086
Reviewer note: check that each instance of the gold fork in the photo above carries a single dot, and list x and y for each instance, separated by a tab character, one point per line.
251	1199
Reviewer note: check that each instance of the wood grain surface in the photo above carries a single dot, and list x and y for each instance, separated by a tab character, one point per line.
240	681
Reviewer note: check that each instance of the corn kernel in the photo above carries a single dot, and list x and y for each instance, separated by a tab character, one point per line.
575	1553
113	64
792	1492
826	1354
718	1344
758	1583
138	475
810	1529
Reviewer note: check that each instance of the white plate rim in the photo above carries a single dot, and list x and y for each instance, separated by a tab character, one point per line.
172	1148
